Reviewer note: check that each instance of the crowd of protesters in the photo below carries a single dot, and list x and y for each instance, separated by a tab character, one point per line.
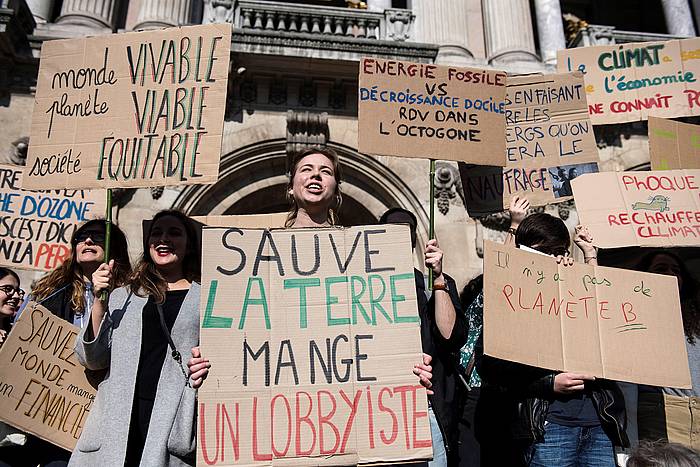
139	340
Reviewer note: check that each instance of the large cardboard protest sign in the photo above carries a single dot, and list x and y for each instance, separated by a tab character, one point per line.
673	145
659	208
604	322
431	111
312	335
549	142
130	110
244	221
43	388
36	226
629	82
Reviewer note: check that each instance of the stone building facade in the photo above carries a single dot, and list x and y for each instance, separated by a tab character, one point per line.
293	81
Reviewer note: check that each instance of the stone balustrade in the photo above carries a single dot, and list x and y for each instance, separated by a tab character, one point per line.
391	24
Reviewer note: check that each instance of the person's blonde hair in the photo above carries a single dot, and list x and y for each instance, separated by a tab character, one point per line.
69	272
293	206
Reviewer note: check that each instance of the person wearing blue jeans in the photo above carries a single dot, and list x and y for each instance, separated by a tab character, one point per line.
541	417
584	446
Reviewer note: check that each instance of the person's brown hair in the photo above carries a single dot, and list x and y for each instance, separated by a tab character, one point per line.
70	272
689	293
293	206
146	280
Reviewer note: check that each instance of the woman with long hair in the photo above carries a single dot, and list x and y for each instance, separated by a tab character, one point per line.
10	299
67	290
313	190
13	451
138	336
672	414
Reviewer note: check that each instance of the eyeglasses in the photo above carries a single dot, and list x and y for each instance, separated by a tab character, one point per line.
10	290
96	237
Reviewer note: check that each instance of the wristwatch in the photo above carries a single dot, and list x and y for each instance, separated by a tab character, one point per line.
440	286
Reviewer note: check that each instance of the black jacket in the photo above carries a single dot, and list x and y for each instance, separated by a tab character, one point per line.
444	352
527	391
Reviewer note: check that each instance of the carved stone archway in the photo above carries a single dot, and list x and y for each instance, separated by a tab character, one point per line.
253	179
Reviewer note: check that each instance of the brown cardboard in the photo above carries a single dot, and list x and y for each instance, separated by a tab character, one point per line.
245	221
673	145
38	225
431	111
604	322
235	422
658	208
44	392
630	82
548	137
175	115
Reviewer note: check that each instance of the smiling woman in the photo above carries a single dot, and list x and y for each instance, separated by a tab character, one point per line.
137	337
313	190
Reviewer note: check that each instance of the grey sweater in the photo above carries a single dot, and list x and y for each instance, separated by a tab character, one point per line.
117	346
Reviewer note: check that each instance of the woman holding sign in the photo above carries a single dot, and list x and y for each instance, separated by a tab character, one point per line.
10	299
137	337
539	417
67	290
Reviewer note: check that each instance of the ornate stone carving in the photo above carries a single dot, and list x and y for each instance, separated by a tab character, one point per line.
218	11
18	151
448	186
398	23
306	129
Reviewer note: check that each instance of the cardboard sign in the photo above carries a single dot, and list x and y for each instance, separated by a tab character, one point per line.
673	145
640	208
44	392
130	110
630	82
245	221
549	142
312	335
36	226
430	111
605	322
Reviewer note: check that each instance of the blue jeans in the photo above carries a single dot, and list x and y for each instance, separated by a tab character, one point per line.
566	446
439	453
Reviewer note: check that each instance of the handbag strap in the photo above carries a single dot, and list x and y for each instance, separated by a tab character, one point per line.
174	352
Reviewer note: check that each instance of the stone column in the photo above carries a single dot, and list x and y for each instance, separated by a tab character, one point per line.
550	28
378	5
508	31
93	13
41	9
444	23
156	14
679	19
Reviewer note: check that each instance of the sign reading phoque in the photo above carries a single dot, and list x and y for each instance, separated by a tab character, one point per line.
431	111
36	226
312	335
130	110
657	208
630	82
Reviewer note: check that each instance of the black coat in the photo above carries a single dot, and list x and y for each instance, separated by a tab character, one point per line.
445	399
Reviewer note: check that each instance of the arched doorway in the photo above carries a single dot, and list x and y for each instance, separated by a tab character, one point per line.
253	180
